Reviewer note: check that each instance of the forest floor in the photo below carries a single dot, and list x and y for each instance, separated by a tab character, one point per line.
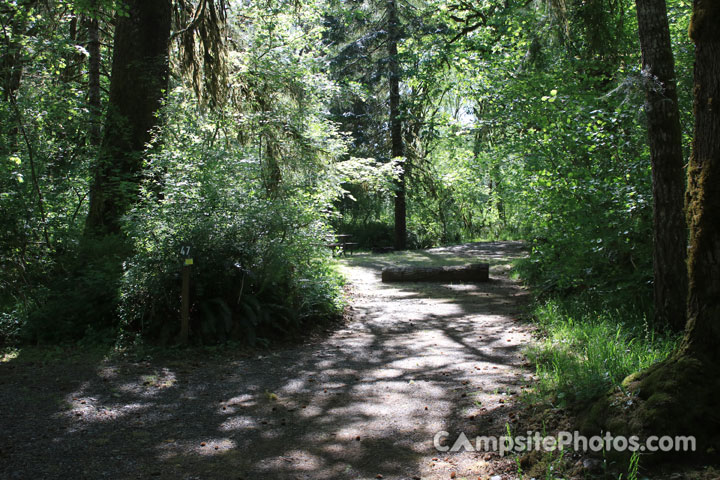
361	401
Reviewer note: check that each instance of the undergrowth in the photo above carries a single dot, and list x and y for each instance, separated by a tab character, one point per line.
585	350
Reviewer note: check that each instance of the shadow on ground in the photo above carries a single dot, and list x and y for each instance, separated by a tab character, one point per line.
413	360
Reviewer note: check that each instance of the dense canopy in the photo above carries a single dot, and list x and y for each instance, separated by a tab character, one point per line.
261	139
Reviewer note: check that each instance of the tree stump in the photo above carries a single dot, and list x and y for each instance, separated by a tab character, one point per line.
474	272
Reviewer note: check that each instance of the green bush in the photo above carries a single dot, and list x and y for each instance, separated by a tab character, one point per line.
255	225
253	276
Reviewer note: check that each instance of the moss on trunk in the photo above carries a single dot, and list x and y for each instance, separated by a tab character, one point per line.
680	395
677	397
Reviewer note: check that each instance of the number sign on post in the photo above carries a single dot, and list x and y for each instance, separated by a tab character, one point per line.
185	308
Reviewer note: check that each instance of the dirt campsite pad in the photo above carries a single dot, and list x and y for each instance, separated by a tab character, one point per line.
362	402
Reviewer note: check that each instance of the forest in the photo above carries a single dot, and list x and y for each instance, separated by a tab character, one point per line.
198	198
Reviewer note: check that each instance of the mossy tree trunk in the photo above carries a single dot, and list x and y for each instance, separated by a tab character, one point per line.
138	83
680	395
665	138
703	193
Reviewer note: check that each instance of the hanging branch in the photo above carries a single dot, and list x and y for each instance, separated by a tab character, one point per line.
194	23
203	47
474	20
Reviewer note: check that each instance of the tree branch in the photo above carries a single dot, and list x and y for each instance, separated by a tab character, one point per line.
41	203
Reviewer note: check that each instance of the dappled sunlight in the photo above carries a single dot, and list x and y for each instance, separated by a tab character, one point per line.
85	407
172	448
149	385
240	422
413	360
244	400
295	460
108	372
88	409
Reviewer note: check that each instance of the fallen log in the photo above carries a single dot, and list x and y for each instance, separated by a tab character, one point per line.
474	272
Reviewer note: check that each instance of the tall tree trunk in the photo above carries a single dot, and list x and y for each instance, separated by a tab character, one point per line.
665	135
396	126
679	396
703	195
11	65
94	61
138	83
12	62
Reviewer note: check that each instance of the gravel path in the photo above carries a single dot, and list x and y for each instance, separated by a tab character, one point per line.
364	401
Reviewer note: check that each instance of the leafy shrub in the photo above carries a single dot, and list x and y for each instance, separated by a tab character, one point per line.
255	224
585	201
255	275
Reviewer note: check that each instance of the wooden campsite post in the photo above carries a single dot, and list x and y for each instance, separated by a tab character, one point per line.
185	308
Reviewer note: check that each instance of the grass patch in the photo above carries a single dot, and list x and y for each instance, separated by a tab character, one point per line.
586	350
